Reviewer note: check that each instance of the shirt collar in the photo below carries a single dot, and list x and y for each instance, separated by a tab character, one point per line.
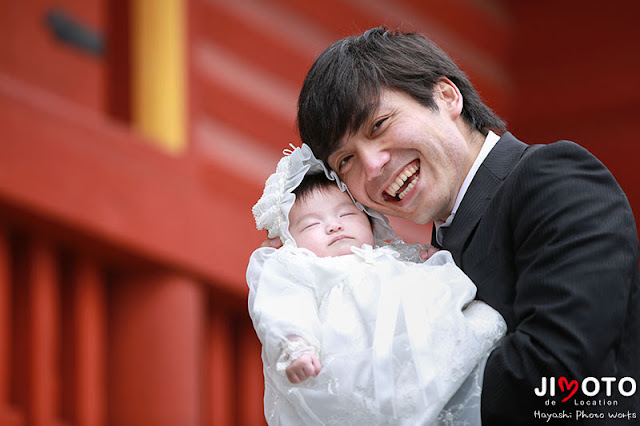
489	142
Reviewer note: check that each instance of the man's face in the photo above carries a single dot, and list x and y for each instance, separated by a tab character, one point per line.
408	160
328	223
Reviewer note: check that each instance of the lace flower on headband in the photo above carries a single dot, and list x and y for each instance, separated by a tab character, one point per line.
271	212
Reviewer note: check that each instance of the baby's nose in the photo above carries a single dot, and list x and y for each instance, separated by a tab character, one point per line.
334	226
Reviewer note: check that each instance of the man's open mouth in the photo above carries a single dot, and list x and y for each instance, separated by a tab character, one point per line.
405	181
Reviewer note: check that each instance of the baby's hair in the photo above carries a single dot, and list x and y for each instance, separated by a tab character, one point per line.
316	182
311	183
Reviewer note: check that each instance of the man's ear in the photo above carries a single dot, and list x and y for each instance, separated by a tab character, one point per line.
448	97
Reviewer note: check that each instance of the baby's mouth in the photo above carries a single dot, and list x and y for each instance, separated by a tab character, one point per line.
404	183
338	238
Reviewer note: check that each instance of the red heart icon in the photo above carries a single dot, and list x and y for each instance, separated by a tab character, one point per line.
563	382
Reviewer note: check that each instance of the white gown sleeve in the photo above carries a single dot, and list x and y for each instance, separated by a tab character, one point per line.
281	307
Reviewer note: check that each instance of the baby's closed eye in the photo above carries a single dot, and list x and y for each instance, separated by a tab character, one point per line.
310	225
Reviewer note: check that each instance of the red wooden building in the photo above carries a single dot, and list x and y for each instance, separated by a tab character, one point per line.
135	135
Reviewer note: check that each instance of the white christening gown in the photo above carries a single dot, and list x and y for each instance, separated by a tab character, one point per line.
399	342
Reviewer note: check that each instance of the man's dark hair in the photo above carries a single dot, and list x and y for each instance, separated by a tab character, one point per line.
312	182
343	86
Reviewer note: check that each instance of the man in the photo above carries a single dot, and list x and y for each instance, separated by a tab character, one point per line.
545	232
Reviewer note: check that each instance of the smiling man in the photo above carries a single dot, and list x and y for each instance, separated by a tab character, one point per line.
419	159
544	231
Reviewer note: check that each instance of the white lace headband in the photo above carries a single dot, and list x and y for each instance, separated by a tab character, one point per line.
271	212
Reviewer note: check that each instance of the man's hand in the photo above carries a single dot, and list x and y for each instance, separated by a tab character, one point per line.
305	366
272	242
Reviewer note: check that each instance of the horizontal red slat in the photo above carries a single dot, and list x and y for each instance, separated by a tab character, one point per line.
483	26
264	47
247	117
103	184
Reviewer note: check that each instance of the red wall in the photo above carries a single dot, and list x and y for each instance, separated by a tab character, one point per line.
575	66
122	293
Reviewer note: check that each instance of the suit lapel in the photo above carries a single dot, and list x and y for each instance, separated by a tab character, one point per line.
484	185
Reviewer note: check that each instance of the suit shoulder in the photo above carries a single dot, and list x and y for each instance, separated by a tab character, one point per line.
562	173
560	150
559	157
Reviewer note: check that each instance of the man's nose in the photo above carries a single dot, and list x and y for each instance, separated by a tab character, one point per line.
373	161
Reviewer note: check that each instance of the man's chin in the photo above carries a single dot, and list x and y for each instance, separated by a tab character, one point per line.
419	218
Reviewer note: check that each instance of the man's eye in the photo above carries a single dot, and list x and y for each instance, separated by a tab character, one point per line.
378	124
344	162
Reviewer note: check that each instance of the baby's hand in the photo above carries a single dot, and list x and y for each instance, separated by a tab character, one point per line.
272	242
305	366
428	252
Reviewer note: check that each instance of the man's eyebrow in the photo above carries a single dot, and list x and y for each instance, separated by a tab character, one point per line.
364	115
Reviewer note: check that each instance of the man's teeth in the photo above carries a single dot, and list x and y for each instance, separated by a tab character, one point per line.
408	172
408	188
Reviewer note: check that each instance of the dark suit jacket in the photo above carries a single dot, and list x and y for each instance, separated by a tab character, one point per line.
549	239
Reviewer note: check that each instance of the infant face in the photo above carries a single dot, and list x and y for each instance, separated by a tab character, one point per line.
328	223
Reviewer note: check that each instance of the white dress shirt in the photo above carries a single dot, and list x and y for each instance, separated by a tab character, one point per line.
487	146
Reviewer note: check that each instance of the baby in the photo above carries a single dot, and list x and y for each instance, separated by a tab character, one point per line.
356	329
326	221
